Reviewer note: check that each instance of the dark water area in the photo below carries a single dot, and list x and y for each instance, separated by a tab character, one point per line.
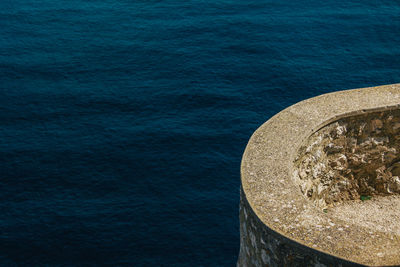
122	123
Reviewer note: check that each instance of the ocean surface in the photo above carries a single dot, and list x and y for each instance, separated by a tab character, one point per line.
123	122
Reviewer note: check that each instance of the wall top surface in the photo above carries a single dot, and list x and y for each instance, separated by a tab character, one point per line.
267	170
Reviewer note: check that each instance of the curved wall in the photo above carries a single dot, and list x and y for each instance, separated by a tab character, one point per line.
353	157
303	168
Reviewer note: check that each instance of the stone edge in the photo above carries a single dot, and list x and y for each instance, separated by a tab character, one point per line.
317	123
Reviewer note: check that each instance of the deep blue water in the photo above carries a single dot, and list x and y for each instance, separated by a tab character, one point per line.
122	123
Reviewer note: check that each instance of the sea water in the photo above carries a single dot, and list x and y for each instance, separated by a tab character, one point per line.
123	122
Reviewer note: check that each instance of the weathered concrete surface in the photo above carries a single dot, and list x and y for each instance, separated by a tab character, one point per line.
275	211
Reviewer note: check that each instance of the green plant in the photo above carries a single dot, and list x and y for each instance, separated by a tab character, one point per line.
363	197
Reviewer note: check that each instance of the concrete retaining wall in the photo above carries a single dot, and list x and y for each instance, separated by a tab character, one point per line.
282	224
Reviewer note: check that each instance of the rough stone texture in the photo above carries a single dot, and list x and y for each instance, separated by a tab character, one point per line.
281	225
260	246
352	158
